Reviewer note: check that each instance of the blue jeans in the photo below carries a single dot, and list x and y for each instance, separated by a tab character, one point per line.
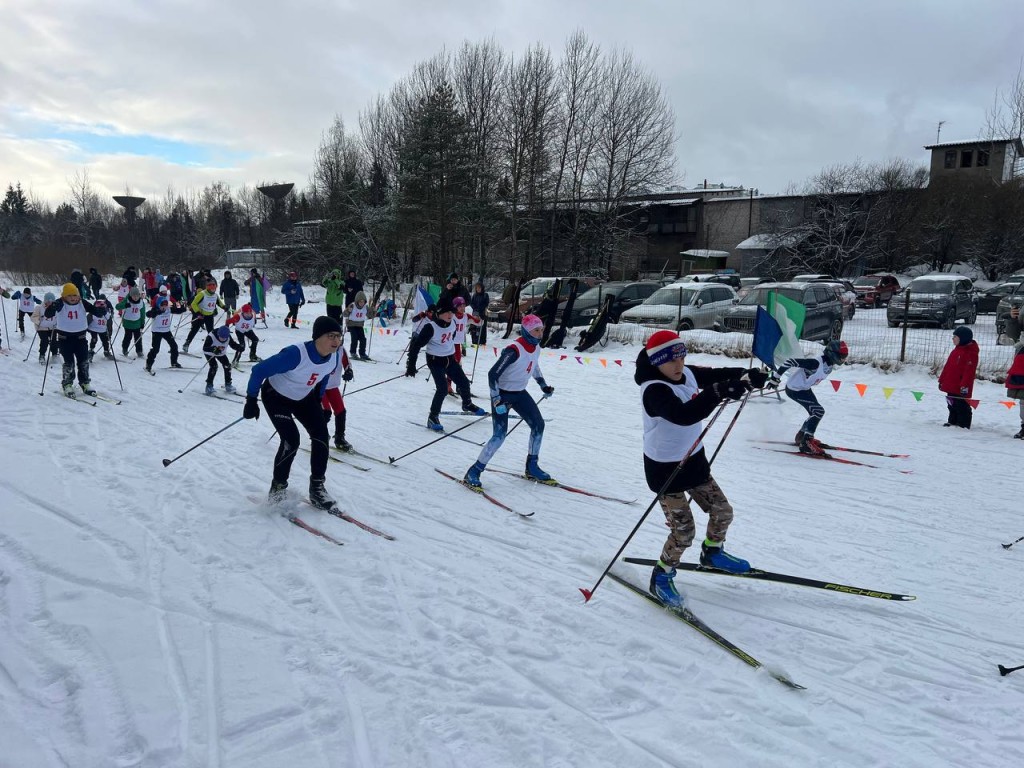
523	404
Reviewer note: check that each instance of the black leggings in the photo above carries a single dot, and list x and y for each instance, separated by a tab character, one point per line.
129	335
442	369
44	343
102	337
223	360
252	337
960	413
199	321
358	339
21	320
159	336
74	349
283	413
293	313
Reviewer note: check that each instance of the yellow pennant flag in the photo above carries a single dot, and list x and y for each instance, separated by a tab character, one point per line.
887	391
862	388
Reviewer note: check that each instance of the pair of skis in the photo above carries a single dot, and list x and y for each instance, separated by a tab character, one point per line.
90	399
688	617
839	459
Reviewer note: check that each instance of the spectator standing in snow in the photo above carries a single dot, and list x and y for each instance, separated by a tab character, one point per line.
957	377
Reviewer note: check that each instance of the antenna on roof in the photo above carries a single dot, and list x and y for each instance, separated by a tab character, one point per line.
938	131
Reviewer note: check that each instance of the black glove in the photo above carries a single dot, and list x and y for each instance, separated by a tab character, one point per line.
733	389
548	391
252	408
757	379
347	375
410	371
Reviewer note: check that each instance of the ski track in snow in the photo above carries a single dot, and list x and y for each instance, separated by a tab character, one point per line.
157	617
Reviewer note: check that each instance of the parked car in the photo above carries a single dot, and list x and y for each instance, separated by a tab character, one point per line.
625	295
1015	299
875	290
988	299
935	300
532	294
683	306
844	290
824	310
731	279
809	277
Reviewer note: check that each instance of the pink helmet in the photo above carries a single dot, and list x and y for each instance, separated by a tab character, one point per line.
458	301
533	325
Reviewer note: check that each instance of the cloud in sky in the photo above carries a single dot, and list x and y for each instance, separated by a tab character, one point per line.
183	93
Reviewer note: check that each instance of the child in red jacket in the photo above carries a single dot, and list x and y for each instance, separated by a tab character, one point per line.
957	377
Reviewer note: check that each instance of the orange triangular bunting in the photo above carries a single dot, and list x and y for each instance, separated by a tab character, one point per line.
1008	403
862	388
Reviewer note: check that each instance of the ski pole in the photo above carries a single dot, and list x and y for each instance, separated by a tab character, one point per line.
31	344
168	462
46	368
1007	670
6	333
521	420
392	459
116	369
476	354
371	386
369	344
201	368
1007	546
589	593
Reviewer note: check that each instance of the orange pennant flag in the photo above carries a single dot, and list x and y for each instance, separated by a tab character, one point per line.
604	363
887	391
835	384
862	388
1008	403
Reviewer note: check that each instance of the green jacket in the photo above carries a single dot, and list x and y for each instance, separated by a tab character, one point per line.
335	285
133	325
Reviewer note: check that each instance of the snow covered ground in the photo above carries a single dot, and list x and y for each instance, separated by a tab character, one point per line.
155	616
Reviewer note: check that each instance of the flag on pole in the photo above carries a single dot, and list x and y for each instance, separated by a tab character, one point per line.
777	330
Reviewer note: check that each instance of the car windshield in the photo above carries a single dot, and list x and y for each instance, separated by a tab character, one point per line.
598	292
759	295
931	286
866	281
537	287
673	295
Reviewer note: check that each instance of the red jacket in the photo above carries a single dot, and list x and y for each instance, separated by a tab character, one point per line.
1015	376
958	372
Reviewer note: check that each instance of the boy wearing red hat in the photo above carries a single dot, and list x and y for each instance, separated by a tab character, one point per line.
676	398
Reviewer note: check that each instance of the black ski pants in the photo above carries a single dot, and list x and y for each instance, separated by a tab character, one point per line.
157	338
198	322
358	335
103	338
212	361
253	339
960	413
132	334
75	350
283	413
442	369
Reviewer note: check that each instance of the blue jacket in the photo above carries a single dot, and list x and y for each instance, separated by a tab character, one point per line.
292	290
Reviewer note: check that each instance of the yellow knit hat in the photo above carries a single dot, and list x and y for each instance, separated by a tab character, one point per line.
69	289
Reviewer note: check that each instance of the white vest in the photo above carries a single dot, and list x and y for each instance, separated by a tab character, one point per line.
27	303
217	347
358	314
460	323
72	319
244	326
98	324
297	383
208	304
517	375
46	323
663	440
442	343
122	291
133	311
162	322
800	380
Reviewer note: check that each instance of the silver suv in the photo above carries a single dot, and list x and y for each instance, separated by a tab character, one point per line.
934	300
683	306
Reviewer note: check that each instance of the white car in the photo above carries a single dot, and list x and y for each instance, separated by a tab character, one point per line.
682	306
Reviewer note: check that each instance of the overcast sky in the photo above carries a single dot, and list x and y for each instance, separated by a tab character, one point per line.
182	93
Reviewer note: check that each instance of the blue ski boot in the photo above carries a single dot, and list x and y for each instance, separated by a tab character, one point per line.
534	472
714	556
662	586
472	477
209	389
434	423
474	410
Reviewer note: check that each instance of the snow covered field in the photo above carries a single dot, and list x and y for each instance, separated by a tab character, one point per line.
156	617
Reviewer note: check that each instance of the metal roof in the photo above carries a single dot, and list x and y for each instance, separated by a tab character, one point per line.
975	142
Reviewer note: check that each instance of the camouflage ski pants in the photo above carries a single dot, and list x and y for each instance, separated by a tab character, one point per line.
679	518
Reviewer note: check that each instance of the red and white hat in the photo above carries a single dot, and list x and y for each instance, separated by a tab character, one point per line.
533	325
664	346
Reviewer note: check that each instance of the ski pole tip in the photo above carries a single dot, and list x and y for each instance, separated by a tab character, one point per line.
1003	671
1005	546
587	594
167	462
391	460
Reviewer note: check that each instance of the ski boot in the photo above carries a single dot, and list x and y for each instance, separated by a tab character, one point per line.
663	587
255	359
434	423
714	556
534	472
472	476
364	356
92	354
176	364
42	359
87	388
149	367
339	432
278	492
184	349
318	495
230	388
108	355
799	437
69	390
1020	435
474	410
209	389
810	446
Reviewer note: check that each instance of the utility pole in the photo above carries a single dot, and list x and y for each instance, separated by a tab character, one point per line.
938	130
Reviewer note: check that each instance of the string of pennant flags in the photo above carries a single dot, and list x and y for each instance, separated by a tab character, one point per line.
862	389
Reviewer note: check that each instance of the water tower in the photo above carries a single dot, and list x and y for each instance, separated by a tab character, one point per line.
130	203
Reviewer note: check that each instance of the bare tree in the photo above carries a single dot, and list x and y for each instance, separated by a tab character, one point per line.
1004	119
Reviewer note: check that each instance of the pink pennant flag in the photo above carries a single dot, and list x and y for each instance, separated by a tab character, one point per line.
835	384
862	388
495	351
618	363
